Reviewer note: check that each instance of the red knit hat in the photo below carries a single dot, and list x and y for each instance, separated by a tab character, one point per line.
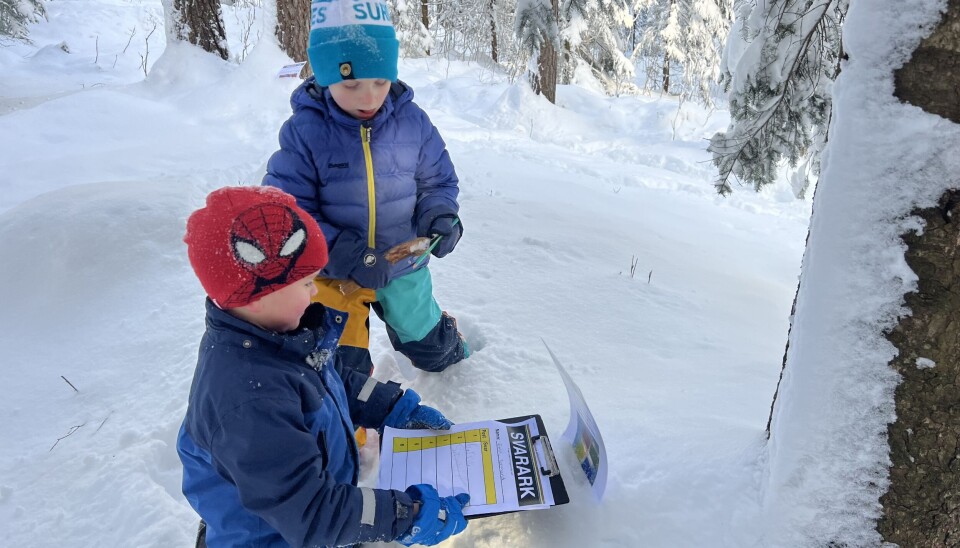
250	241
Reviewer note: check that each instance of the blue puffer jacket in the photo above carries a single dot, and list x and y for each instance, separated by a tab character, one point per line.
323	161
267	445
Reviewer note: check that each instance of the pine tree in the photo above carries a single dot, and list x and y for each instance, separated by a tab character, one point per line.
539	37
15	15
473	29
590	35
781	60
680	44
415	40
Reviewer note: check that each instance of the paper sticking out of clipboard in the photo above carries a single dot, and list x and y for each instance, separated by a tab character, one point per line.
505	465
583	433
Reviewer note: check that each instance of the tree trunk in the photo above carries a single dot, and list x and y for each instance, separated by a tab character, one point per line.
293	30
494	50
931	80
546	79
199	22
666	72
547	72
666	54
425	18
922	505
425	14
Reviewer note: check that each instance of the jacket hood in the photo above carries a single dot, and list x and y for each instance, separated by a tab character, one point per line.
311	96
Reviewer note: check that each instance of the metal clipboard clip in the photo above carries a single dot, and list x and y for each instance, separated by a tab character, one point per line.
550	468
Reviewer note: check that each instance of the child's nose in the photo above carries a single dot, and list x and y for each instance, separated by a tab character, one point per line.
367	97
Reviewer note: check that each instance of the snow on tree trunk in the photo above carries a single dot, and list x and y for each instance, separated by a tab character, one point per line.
922	506
930	79
828	455
200	23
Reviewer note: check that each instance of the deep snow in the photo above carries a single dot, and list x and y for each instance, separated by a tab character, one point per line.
677	359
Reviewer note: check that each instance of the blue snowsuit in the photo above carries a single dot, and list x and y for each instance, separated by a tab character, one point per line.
372	183
268	446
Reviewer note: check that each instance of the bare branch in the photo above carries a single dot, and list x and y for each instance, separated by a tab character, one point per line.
67	435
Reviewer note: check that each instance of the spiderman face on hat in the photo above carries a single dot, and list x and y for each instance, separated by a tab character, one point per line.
267	240
251	241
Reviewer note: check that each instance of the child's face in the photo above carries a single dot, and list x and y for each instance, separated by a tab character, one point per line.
281	310
360	98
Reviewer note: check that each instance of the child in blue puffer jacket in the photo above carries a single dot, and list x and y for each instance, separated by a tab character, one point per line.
267	446
366	162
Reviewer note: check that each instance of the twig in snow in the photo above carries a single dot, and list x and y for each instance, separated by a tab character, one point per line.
68	434
70	383
130	39
103	421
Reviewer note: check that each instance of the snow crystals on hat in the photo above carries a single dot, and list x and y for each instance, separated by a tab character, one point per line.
352	39
250	241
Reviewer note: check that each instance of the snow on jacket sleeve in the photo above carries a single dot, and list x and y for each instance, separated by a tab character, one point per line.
437	182
290	489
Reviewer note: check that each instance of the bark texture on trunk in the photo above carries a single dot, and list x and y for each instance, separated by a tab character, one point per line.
931	80
547	69
200	23
922	505
293	30
547	75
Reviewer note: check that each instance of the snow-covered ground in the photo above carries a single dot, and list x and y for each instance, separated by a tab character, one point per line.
591	224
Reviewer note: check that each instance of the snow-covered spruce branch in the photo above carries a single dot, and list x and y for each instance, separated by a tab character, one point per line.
16	15
779	90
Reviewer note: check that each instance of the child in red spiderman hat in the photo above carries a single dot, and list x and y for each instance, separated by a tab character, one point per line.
269	457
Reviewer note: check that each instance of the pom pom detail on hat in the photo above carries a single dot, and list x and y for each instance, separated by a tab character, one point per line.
352	39
248	242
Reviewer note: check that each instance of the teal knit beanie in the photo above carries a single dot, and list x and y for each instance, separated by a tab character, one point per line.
351	39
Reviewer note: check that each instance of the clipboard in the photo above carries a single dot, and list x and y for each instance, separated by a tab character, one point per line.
549	467
505	465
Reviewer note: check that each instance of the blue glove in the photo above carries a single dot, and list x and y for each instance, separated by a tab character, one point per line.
449	233
438	518
373	271
408	414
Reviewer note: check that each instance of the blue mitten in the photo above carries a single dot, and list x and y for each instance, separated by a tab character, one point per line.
438	518
408	414
373	271
449	229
